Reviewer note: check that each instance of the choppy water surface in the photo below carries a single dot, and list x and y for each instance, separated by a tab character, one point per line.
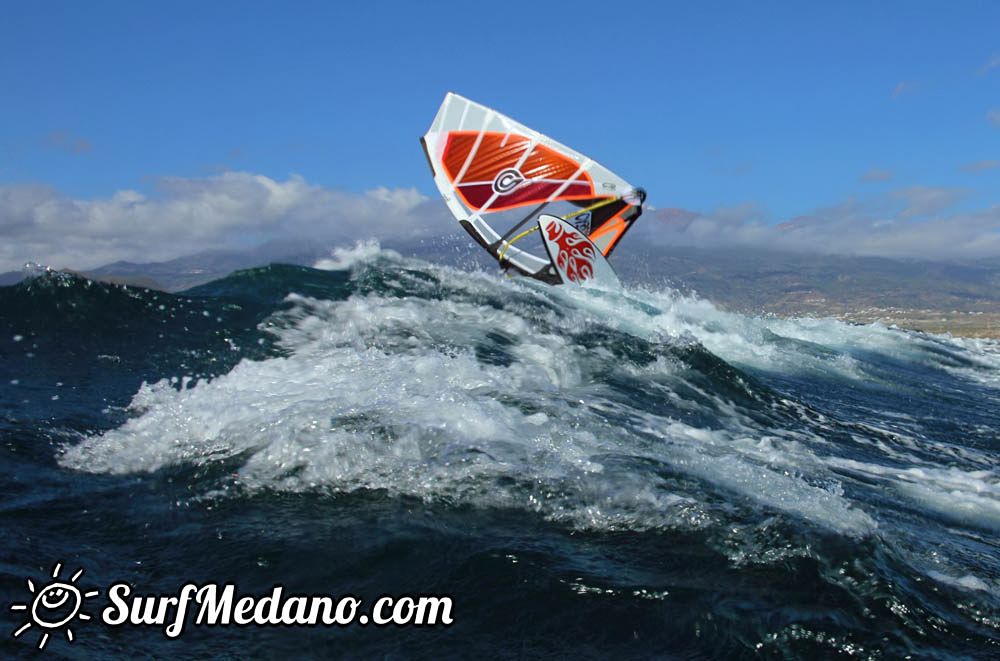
586	473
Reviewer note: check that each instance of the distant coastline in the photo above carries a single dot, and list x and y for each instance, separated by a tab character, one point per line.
982	325
962	299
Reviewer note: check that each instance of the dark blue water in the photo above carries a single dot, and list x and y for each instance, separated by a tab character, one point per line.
585	473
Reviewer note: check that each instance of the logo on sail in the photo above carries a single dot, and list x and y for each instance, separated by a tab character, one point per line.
507	180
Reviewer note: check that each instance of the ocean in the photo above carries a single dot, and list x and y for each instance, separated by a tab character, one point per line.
584	473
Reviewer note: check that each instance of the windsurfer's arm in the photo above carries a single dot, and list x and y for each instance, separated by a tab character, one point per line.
636	197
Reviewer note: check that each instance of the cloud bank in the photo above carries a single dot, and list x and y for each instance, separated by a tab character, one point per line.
230	211
908	223
237	210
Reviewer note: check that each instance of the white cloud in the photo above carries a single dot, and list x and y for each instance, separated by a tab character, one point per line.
183	216
994	117
992	63
903	87
900	224
67	142
980	166
927	200
240	209
875	174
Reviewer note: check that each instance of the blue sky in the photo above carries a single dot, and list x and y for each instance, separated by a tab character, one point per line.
782	105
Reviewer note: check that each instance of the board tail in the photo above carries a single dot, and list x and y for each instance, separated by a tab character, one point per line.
575	258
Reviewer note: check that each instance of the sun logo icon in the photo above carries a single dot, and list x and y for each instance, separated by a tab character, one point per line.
54	606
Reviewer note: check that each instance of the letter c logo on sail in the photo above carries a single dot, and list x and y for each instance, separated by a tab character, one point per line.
507	180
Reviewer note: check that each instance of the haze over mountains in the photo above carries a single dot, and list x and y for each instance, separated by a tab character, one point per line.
854	260
754	280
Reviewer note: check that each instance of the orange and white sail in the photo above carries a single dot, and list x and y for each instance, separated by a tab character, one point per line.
485	163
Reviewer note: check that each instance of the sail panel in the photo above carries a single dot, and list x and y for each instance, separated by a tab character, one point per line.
473	145
485	163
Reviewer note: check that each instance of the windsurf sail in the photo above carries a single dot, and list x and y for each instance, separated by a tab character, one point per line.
497	176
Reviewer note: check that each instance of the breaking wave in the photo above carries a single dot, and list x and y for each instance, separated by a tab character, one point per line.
637	411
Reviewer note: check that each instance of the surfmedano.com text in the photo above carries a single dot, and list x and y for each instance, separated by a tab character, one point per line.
220	605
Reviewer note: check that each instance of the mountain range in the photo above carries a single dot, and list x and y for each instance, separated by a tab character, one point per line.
749	281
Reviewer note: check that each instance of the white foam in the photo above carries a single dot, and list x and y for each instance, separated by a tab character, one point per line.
967	582
982	353
387	393
963	496
343	259
382	392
